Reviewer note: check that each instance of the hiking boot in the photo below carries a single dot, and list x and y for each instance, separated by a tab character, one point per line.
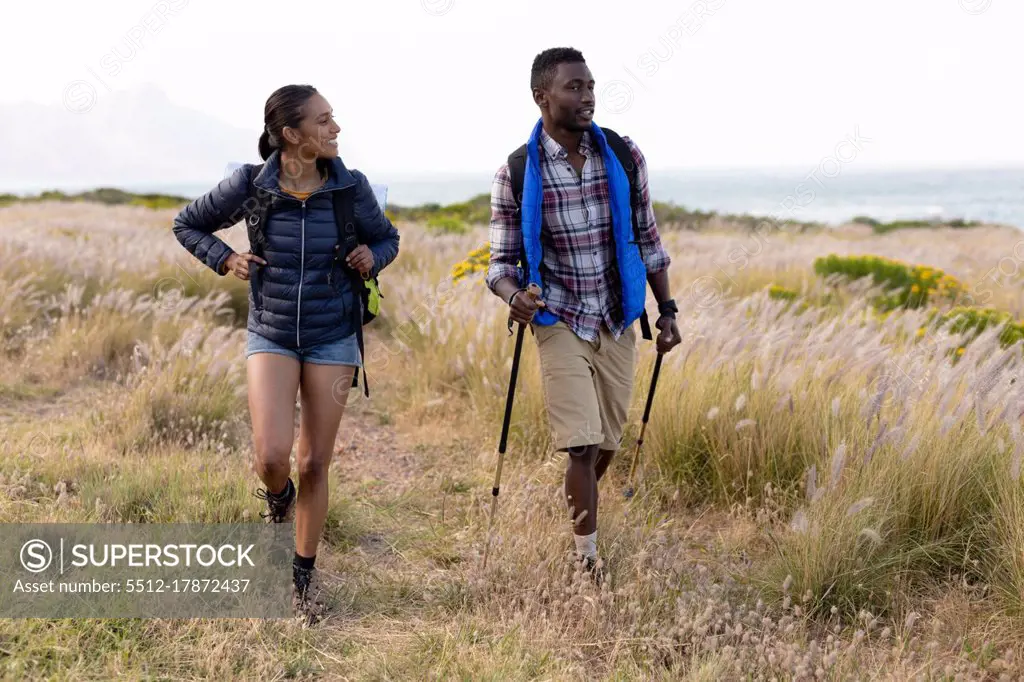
280	508
307	594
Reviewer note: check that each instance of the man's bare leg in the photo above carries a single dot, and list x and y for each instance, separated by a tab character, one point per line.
581	497
604	458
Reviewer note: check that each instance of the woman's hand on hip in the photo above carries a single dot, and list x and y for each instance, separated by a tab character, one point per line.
238	263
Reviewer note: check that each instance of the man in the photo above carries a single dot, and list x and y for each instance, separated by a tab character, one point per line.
574	232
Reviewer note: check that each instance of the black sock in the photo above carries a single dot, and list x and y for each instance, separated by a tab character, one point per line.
303	562
286	493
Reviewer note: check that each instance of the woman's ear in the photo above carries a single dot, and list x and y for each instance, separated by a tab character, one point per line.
290	134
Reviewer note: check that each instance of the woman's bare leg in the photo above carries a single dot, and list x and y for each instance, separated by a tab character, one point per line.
324	393
273	384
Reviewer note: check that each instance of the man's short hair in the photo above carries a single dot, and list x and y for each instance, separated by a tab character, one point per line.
546	63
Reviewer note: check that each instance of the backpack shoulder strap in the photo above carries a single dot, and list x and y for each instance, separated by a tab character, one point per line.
625	156
345	219
256	212
516	173
348	239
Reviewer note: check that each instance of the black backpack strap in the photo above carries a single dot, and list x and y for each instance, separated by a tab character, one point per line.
625	156
348	239
516	174
345	219
255	214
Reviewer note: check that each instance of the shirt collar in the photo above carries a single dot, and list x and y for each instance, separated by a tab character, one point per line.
556	151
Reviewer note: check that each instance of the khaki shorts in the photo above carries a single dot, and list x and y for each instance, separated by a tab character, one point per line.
588	385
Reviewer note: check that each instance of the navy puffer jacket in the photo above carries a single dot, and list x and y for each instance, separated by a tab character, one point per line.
292	299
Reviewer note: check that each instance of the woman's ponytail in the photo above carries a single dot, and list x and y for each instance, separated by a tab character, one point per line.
266	149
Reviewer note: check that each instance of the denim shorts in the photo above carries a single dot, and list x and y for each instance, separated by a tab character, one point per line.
344	351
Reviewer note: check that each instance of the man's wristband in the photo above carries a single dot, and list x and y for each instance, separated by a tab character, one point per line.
668	308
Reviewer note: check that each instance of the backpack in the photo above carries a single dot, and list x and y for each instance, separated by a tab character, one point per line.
517	171
348	239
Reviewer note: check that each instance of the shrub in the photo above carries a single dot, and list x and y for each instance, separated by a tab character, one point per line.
964	319
781	293
476	261
882	228
110	196
158	201
475	211
669	214
906	286
447	225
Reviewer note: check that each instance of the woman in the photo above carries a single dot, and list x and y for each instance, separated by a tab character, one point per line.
303	310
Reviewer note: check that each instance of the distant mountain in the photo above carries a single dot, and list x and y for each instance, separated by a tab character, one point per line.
133	138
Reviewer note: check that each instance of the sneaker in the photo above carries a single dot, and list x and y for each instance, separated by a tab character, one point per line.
307	594
280	509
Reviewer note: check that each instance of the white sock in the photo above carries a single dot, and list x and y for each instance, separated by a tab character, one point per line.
586	545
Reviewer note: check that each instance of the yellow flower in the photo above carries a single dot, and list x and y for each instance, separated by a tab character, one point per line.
960	350
914	289
920	332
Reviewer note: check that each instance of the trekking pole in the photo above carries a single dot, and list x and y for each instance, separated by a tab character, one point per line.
628	492
533	291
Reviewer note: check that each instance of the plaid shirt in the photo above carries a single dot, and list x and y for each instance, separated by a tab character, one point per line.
580	275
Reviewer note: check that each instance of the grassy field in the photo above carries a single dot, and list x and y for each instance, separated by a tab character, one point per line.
830	487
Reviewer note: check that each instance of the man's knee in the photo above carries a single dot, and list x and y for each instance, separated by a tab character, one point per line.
578	452
582	454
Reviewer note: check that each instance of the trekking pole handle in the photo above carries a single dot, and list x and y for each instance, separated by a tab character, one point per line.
532	290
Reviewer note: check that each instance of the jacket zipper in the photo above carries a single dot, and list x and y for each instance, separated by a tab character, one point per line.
302	275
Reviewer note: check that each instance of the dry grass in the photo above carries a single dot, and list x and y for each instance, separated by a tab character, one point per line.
793	520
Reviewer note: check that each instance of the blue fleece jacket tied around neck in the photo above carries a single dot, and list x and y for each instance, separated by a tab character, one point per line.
632	271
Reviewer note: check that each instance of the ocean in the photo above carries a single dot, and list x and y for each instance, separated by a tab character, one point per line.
988	195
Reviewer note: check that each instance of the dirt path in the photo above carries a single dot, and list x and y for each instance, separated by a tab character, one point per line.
368	452
19	401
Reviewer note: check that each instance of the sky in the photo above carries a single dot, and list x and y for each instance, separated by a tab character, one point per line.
438	86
